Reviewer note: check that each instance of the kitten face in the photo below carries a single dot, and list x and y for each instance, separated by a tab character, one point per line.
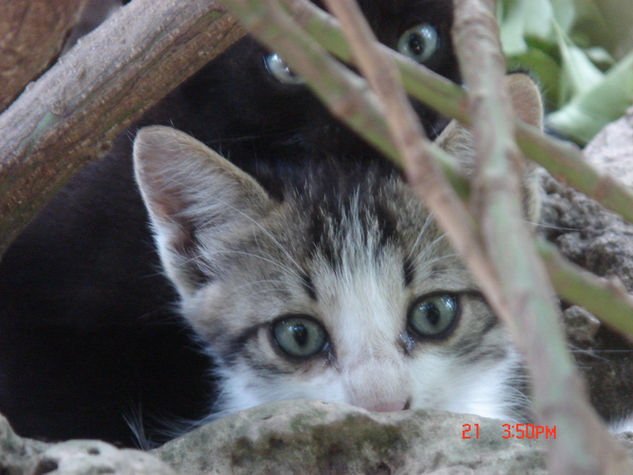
353	286
305	264
344	291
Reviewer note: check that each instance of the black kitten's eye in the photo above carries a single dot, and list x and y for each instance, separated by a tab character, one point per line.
300	337
434	316
278	69
420	43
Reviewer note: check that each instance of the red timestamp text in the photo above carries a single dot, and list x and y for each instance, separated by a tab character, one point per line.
513	431
466	433
528	431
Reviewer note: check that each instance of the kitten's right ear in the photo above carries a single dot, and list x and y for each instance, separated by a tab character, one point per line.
196	200
528	106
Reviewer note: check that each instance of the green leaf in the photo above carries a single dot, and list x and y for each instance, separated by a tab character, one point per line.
590	111
568	45
579	74
523	19
605	23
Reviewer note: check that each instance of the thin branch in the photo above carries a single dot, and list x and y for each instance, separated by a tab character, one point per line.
345	93
75	110
583	445
563	160
421	170
421	82
566	162
603	297
447	97
328	88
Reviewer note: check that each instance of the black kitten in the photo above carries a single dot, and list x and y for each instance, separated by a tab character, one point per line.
89	334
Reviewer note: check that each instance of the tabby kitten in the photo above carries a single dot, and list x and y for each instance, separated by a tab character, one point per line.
345	290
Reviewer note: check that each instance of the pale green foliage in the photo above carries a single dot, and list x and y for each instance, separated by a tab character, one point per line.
581	51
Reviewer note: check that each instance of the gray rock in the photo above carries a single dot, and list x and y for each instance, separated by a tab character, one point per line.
17	455
602	243
318	437
20	456
87	457
580	325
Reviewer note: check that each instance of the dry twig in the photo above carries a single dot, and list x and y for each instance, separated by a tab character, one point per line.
259	17
422	83
583	445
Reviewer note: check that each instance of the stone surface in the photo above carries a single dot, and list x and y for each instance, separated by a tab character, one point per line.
582	229
17	455
318	437
20	456
302	437
601	242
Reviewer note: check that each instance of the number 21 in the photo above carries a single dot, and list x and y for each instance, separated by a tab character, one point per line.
467	428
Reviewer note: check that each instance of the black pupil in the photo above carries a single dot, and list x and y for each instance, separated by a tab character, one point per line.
432	313
416	46
300	334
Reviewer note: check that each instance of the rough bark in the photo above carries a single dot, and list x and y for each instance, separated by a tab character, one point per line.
110	78
32	33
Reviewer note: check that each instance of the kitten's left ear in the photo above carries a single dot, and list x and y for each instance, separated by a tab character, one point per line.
528	106
196	200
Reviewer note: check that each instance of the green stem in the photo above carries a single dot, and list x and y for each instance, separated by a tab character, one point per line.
563	160
534	316
344	93
605	298
422	83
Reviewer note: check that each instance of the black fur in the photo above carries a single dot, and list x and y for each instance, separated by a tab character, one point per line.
88	328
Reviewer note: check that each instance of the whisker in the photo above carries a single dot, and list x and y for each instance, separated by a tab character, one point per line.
287	270
551	226
427	223
266	232
258	282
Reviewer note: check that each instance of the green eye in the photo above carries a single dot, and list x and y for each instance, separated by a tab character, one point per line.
277	68
420	43
300	337
434	316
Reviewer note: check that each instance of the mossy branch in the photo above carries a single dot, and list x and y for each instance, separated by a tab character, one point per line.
563	160
604	297
76	109
32	34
